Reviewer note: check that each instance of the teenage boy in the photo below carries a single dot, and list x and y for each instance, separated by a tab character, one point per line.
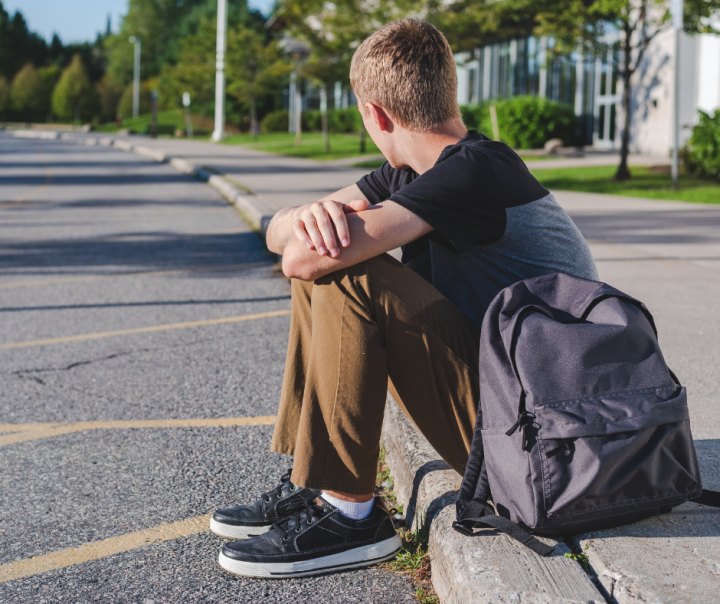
471	220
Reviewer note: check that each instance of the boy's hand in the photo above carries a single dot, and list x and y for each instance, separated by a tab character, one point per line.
316	224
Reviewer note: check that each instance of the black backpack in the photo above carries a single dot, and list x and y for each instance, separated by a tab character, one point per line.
581	425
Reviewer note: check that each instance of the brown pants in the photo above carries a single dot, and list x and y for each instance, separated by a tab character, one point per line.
353	334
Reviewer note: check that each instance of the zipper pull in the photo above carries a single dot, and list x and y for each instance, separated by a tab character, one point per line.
521	423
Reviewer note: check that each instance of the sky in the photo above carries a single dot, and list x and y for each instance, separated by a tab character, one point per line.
79	20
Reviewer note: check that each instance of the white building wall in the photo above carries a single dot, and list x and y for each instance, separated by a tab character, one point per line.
653	95
708	96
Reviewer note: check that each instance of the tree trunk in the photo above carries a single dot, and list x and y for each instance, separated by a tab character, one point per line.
324	117
623	172
362	137
253	119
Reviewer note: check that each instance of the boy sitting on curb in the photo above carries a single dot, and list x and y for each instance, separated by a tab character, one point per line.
471	220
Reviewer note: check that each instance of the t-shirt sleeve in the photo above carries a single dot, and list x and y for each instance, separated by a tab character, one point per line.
464	197
376	185
383	182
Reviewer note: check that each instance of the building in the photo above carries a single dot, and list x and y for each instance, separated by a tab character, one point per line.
591	85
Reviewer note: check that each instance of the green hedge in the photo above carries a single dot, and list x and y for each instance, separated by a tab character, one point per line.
524	122
701	155
339	120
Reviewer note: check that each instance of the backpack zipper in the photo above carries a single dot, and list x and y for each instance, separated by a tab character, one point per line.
522	424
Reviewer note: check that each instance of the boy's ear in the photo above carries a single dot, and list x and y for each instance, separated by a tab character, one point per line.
381	117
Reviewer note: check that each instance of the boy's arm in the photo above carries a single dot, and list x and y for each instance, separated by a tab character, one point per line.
374	231
283	227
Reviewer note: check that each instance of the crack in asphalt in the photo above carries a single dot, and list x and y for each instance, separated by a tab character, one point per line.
22	373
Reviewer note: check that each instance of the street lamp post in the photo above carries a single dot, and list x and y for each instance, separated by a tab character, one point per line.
298	51
219	131
136	76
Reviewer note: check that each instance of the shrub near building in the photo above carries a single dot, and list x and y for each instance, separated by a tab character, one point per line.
524	122
701	156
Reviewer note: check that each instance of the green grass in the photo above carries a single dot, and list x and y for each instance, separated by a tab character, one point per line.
373	164
281	143
168	121
645	182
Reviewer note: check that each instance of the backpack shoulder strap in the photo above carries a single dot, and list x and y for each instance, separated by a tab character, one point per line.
709	498
479	514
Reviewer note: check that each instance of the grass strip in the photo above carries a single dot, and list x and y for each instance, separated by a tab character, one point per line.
413	560
311	147
651	183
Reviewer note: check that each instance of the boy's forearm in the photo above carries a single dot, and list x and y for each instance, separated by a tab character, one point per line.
280	230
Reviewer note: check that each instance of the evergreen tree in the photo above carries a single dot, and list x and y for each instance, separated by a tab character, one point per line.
18	45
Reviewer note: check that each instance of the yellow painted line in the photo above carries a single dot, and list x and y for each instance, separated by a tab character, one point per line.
102	549
25	432
149	329
202	269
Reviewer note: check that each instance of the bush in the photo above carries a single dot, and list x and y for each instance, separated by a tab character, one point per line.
276	121
524	122
701	155
339	120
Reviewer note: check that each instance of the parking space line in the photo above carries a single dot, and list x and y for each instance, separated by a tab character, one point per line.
102	549
149	329
202	269
25	432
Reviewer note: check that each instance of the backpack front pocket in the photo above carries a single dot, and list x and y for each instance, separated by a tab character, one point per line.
614	453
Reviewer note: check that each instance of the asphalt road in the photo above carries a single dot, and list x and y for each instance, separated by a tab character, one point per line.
105	258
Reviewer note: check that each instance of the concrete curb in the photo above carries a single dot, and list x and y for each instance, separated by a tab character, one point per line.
254	209
489	568
45	134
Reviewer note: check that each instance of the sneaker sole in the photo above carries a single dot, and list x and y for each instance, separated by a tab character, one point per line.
237	532
366	555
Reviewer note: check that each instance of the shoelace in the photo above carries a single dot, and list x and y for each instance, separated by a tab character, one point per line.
278	489
307	511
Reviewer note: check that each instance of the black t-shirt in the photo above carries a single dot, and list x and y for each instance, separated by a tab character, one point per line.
494	223
463	196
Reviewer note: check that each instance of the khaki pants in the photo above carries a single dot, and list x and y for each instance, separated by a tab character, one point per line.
353	334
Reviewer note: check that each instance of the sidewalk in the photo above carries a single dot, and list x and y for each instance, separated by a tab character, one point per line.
666	254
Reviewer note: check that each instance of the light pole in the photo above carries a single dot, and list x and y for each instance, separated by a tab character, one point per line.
298	51
676	10
219	131
136	76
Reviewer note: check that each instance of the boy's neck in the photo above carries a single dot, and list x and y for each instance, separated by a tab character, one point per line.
420	150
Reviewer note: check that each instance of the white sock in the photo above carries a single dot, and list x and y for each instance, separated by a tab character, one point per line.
350	509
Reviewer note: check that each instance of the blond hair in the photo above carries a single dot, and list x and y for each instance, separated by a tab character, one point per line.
407	67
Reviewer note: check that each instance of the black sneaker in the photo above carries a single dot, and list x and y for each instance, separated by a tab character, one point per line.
246	521
317	539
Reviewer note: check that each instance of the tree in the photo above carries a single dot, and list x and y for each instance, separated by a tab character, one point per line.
195	69
74	96
583	23
109	92
125	104
4	98
49	76
162	26
26	93
254	68
18	45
